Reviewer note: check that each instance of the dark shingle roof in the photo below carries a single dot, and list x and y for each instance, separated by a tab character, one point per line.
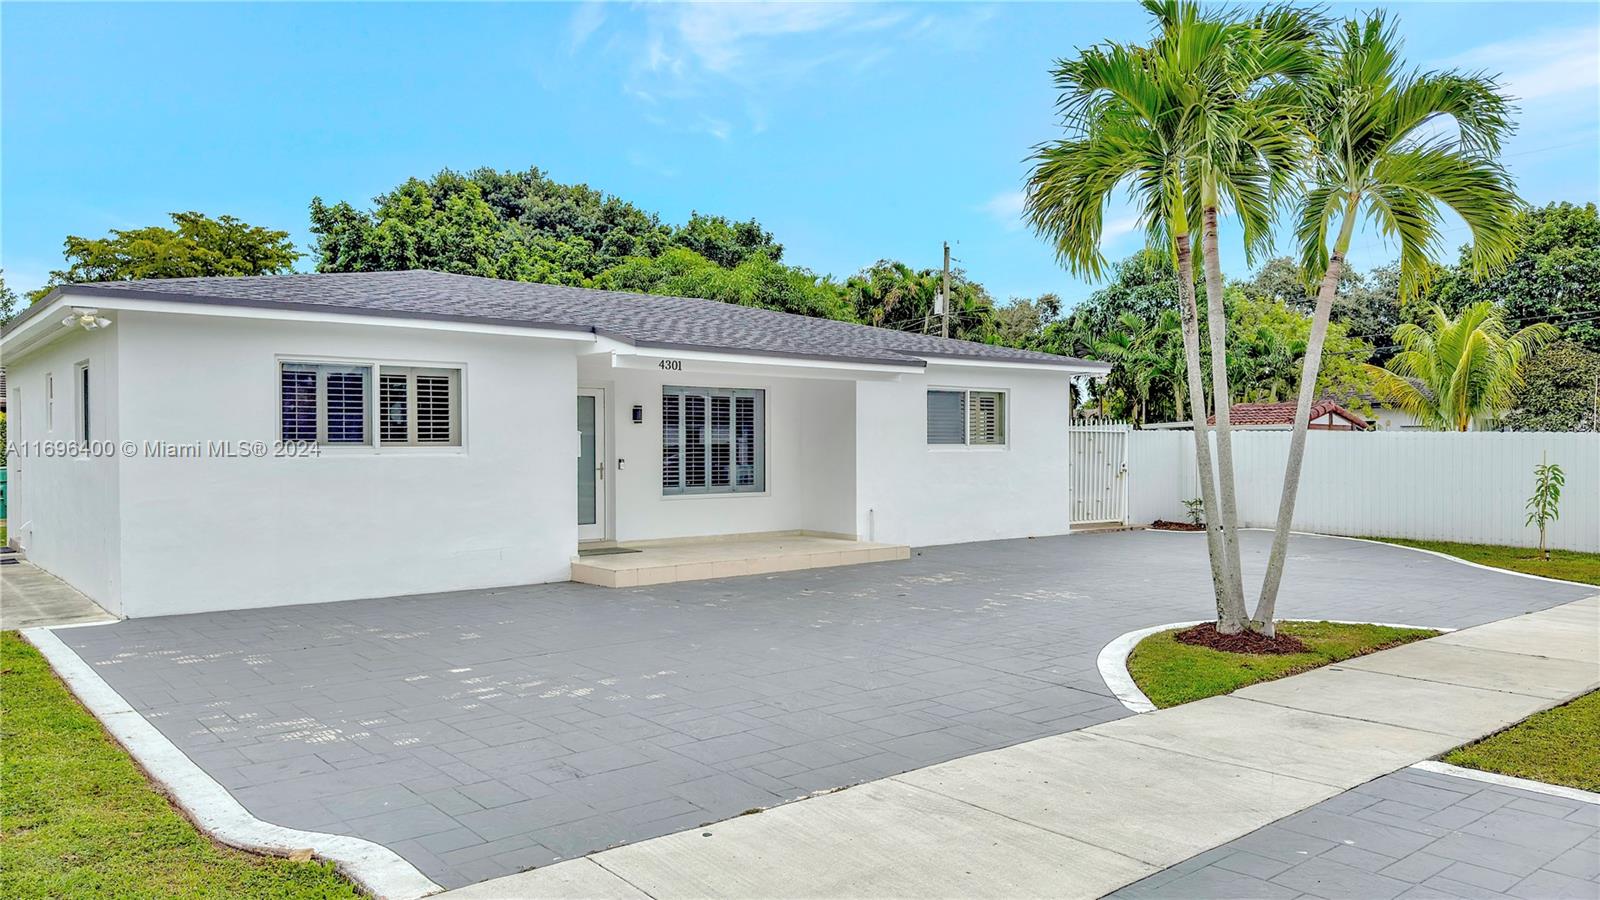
641	319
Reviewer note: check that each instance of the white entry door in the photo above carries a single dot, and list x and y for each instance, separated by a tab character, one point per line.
592	474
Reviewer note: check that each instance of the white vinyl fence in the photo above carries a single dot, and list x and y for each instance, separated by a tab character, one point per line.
1442	486
1099	472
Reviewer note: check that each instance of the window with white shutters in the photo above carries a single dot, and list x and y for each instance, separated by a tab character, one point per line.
334	404
418	407
323	403
966	417
713	440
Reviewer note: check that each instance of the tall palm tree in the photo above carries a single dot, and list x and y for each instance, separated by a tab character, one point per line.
1236	78
1121	107
1374	133
1455	371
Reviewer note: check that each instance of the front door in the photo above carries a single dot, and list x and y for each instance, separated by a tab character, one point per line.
591	465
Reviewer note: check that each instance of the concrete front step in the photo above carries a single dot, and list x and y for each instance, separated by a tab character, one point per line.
729	557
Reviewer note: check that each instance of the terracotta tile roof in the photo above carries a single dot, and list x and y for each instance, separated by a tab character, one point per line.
1283	413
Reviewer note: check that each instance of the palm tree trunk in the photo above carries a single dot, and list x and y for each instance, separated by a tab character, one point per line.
1266	607
1233	618
1220	583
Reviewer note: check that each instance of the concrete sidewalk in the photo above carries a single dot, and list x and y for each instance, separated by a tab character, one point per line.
1085	813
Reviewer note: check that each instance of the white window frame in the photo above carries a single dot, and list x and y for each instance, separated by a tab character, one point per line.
762	458
966	444
81	401
375	367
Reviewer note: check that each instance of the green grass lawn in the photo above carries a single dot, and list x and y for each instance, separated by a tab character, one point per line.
1557	746
78	819
1568	565
1171	673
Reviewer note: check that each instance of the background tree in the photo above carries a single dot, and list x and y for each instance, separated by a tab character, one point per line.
197	245
1021	322
894	295
8	304
1553	277
758	281
1371	126
1456	371
1560	390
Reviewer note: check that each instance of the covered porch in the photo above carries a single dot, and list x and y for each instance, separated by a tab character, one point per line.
638	564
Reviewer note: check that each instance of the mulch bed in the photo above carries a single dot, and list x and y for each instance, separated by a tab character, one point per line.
1244	642
1164	525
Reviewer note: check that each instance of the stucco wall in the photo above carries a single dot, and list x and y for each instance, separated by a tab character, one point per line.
912	493
203	534
62	510
810	456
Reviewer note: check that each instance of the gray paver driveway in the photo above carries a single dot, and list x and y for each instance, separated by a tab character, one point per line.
485	732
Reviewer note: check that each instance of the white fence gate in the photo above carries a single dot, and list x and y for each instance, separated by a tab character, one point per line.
1099	473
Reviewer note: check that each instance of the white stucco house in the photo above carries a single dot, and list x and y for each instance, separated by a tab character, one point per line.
219	443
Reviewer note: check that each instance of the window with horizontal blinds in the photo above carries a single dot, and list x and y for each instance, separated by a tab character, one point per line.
713	440
961	417
947	417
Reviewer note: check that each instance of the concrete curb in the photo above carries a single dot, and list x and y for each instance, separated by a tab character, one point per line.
1113	658
1521	784
1454	559
377	869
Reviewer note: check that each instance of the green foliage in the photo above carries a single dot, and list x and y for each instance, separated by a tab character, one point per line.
515	225
1454	371
1021	322
1170	672
758	281
1266	352
1557	746
1196	511
197	246
1373	121
893	295
1560	392
8	301
78	818
1554	276
1368	306
1544	506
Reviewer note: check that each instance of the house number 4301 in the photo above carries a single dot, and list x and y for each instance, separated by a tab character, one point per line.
671	365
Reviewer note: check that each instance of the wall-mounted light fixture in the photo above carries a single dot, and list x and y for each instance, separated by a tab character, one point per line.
638	414
87	319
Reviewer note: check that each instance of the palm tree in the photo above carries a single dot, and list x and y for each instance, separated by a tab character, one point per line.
1235	78
1121	106
1372	128
1455	371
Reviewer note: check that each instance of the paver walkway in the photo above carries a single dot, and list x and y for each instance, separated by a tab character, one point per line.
485	732
1082	814
1412	834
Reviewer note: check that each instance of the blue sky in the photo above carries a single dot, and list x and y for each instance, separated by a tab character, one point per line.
853	132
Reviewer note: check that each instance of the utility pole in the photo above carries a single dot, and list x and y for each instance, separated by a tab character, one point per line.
945	330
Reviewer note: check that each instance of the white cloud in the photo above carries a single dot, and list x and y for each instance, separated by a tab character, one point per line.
1006	208
1544	65
742	55
585	21
1117	227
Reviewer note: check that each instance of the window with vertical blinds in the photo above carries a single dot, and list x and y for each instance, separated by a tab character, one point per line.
333	403
966	418
713	440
